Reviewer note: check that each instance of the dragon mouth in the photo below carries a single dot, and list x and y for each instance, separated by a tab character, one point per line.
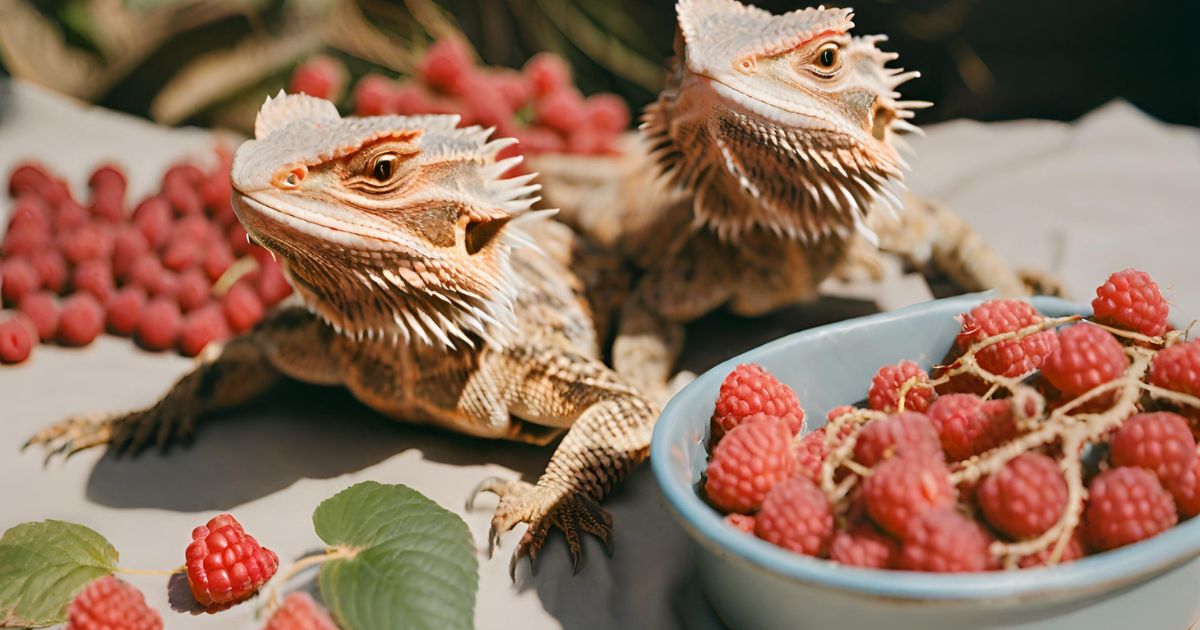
262	218
772	112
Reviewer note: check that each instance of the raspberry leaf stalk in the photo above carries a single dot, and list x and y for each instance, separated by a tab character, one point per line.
43	566
398	558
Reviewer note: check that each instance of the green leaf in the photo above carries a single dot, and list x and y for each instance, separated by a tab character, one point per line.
409	563
42	567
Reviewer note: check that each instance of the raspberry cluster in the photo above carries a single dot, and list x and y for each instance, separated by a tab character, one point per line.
110	604
962	482
159	271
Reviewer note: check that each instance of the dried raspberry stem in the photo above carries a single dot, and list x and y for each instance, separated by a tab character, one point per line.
332	553
178	569
241	267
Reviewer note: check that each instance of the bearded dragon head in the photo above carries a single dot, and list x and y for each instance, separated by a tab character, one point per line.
784	122
388	226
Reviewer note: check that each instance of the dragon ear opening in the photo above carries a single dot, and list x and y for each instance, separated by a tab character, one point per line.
482	232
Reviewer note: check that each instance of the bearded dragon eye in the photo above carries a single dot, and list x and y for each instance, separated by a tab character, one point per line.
384	167
827	57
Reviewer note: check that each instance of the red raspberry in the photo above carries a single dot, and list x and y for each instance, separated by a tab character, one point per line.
1185	489
536	140
147	272
188	174
183	196
320	76
18	277
193	228
201	327
217	259
127	246
547	72
487	104
33	178
110	604
1012	358
373	96
153	217
1177	368
225	564
216	190
69	215
158	324
905	434
587	140
1131	300
81	320
561	109
271	284
94	276
108	178
51	268
796	516
411	99
193	290
607	113
968	425
741	522
300	612
21	240
108	206
30	211
1161	442
809	454
1087	357
87	242
1025	498
1126	505
444	64
884	394
904	487
744	465
944	541
124	310
239	241
243	308
865	546
748	390
838	412
16	341
42	310
1074	551
512	85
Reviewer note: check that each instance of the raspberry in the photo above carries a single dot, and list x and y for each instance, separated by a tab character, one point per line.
243	308
1126	505
884	394
158	324
16	341
1014	357
41	309
444	64
238	240
319	76
838	412
153	217
904	487
110	604
31	178
30	211
968	425
147	272
796	516
808	454
748	390
17	278
193	290
124	310
1185	489
741	522
81	320
300	612
944	541
1074	551
1177	368
187	174
907	434
70	215
410	99
1131	300
51	268
94	276
1087	357
587	140
373	95
128	245
1025	498
607	113
1161	442
486	103
561	109
516	90
547	72
216	190
217	259
865	546
201	327
535	140
25	239
108	206
744	465
225	564
271	284
87	242
108	178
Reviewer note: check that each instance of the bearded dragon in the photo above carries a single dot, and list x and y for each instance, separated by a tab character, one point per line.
417	288
769	160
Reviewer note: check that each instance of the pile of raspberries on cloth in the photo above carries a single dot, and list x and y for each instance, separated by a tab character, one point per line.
175	271
981	465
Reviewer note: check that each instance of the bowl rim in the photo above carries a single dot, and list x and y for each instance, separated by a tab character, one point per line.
1108	570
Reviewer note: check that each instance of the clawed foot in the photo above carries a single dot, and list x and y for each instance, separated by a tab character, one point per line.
131	432
521	502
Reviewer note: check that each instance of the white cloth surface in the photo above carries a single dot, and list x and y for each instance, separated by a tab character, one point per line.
1115	189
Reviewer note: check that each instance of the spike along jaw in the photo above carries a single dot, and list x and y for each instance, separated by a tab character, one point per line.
783	122
389	227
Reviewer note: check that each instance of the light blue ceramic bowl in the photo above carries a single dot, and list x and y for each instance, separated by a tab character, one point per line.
755	585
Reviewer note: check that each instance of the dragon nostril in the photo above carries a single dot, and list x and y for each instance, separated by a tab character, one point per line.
289	177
